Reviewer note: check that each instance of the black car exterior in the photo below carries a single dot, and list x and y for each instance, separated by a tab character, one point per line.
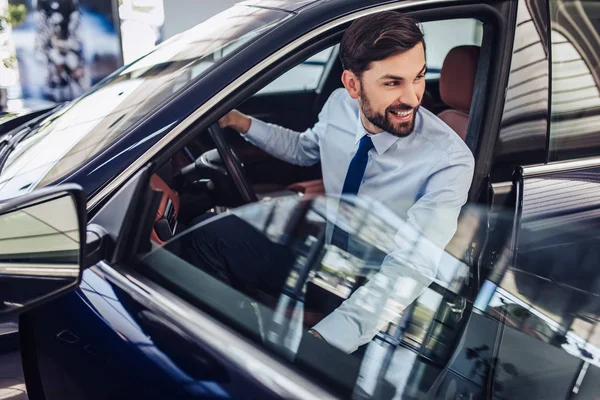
521	323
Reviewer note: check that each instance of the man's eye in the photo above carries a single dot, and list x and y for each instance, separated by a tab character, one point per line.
394	83
419	77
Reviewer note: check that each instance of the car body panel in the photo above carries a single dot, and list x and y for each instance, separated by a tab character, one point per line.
10	121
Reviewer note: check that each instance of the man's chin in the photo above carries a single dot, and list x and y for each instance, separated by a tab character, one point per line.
401	129
404	130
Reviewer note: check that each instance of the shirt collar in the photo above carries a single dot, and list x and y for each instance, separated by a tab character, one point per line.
384	140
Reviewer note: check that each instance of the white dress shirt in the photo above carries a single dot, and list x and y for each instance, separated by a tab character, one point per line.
424	178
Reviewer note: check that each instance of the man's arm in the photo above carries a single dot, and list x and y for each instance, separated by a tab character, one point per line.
411	267
285	144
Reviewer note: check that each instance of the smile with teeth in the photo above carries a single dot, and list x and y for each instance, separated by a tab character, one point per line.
402	114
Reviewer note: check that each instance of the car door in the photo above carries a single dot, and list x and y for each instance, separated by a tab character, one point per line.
545	287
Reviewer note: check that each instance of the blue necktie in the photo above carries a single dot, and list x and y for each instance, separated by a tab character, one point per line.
358	164
354	176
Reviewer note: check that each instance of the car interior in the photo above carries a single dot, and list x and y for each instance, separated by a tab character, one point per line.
197	178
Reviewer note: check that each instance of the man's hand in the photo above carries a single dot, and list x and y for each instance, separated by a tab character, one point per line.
236	120
316	334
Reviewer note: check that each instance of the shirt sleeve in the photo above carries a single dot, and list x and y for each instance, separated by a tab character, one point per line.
412	265
288	145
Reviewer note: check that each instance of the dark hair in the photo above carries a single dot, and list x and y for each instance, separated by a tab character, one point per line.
377	37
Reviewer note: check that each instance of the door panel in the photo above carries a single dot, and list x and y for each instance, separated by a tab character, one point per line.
528	368
468	371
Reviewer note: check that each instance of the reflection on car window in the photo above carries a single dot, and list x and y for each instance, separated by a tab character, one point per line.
374	274
66	140
575	105
541	339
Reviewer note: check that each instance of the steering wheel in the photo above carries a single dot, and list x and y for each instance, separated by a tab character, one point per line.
233	164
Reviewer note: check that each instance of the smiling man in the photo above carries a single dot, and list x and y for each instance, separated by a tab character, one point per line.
374	139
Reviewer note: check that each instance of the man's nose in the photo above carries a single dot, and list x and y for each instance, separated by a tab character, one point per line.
409	96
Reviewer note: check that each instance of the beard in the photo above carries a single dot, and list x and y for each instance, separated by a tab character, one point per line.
383	121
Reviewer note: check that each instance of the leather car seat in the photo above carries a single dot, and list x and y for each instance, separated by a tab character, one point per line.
457	82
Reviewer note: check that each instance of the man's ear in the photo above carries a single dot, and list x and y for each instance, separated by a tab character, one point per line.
351	83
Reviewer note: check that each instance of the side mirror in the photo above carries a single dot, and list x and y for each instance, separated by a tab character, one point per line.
42	238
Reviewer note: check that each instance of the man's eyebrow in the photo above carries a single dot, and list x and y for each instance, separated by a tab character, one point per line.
399	78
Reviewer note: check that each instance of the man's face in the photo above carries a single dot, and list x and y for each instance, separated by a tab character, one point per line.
391	90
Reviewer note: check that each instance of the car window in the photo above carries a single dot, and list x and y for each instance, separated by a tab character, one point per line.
303	77
442	36
66	139
311	274
575	103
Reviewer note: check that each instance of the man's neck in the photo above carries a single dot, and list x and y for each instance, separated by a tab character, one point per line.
369	127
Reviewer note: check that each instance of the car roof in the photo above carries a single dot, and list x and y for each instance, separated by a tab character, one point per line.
287	5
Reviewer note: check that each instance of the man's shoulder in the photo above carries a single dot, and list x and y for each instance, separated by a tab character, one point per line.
340	94
341	97
341	107
444	138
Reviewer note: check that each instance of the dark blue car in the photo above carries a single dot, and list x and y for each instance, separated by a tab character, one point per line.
98	197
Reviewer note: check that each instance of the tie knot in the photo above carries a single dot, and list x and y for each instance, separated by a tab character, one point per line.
365	145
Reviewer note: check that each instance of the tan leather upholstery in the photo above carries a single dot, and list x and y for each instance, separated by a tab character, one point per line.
457	82
457	120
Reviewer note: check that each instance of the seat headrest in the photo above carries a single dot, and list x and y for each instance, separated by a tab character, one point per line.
457	77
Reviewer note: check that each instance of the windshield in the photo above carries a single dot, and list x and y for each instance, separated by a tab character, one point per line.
67	139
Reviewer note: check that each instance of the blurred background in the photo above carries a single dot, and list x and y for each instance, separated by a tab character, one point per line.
54	50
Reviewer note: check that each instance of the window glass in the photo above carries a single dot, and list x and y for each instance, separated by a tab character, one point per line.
311	267
442	36
69	137
303	77
575	105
